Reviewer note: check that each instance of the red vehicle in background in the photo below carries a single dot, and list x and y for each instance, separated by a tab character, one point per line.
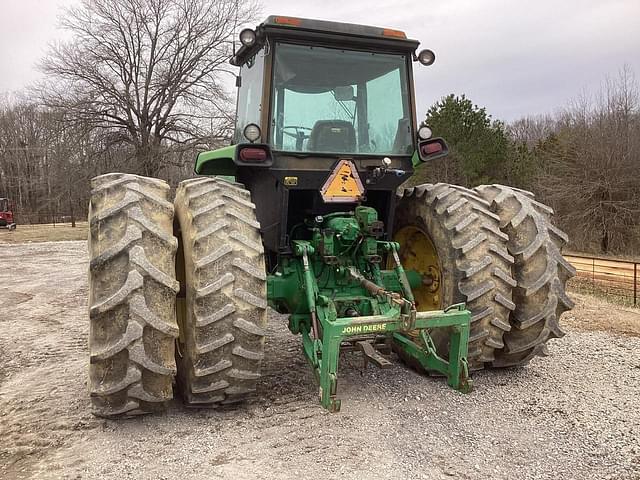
6	215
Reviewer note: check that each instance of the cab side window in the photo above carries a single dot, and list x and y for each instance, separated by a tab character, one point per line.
249	107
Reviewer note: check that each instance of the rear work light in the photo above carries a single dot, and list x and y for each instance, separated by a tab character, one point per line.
253	155
426	57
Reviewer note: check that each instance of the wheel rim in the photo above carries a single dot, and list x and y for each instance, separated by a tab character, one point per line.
418	253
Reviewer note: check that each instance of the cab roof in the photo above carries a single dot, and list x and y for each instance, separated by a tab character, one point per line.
349	29
349	35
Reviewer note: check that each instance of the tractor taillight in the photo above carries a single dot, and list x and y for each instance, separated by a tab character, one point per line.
253	155
431	148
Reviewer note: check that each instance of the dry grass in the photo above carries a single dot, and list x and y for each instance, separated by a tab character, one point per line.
45	233
592	313
609	292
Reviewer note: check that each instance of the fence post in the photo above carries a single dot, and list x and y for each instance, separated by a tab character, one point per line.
635	284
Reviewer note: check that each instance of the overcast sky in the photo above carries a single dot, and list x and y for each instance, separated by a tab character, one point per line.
514	57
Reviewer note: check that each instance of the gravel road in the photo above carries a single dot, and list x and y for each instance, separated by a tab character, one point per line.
572	415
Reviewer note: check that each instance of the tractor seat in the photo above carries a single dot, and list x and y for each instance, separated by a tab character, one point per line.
332	136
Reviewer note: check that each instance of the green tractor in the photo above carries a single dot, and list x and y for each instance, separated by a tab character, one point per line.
305	213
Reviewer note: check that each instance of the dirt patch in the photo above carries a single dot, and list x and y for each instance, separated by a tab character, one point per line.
45	233
573	414
15	297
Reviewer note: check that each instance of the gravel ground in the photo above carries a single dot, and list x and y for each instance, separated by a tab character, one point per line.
572	415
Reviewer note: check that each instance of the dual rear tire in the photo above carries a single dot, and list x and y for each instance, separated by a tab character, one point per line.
498	251
207	327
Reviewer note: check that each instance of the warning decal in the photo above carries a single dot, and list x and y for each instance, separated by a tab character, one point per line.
343	185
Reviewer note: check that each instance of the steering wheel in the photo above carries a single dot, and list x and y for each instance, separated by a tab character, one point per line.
300	136
297	128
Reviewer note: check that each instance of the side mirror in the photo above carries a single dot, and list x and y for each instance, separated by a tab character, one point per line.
343	94
432	149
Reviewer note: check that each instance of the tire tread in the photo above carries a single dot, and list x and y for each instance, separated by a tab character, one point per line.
540	270
224	329
132	291
482	262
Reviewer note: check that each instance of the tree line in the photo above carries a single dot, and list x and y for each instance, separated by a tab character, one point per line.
584	160
138	88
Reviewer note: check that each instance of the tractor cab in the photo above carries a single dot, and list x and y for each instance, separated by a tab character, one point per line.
328	101
325	134
317	101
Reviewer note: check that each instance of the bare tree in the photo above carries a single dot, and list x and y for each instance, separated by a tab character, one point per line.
530	130
591	167
149	73
42	168
46	161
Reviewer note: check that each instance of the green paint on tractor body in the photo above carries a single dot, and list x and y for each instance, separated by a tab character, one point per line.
336	292
221	161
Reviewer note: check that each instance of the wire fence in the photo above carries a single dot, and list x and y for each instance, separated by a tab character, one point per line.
39	218
608	277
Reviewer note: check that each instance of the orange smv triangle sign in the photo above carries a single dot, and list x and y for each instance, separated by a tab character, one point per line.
343	185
